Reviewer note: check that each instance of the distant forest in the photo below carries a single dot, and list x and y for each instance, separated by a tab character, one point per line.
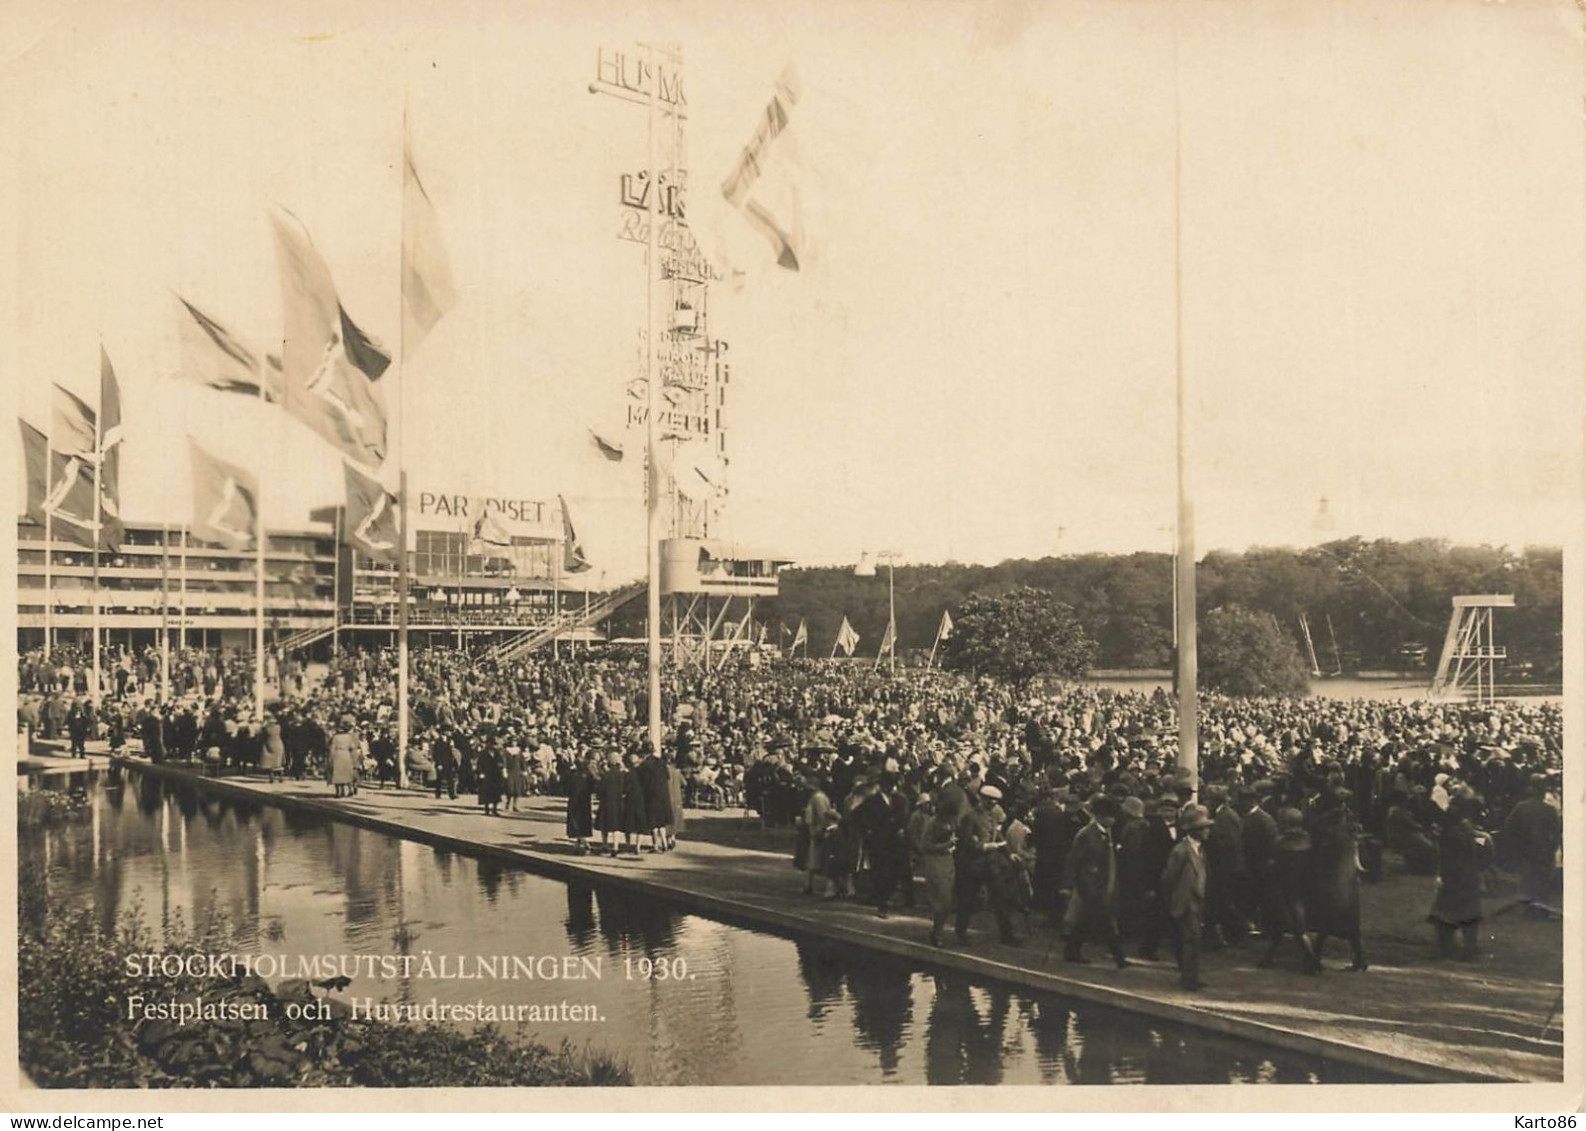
1382	598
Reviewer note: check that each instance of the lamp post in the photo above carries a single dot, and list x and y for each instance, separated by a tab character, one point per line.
867	568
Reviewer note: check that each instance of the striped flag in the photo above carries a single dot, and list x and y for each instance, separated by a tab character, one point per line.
71	501
225	501
428	291
762	184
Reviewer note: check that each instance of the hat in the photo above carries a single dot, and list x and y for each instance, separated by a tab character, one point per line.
1290	819
348	721
1134	807
1216	795
991	791
1194	817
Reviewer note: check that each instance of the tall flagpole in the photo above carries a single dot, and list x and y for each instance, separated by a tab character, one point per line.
165	612
1189	721
652	424
258	568
402	475
335	600
49	538
98	529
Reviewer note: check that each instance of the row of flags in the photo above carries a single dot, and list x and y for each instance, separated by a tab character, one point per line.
74	475
848	640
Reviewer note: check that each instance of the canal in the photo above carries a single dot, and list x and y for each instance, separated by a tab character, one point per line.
739	1006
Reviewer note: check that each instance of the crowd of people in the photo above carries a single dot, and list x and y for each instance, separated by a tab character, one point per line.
1063	802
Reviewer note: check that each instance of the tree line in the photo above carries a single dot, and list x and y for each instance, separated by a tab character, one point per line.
1369	604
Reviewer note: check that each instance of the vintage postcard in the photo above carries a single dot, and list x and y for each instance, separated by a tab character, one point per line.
851	550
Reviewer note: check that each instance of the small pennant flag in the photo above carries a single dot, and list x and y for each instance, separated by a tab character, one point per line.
371	526
573	559
802	636
225	501
945	632
428	291
889	640
847	638
607	448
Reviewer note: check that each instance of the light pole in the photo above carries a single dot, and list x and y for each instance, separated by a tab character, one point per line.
867	568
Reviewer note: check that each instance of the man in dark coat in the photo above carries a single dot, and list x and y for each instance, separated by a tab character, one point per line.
1335	895
1531	837
1462	852
1259	839
882	820
972	873
153	734
1141	859
1183	887
1092	878
1225	866
1047	826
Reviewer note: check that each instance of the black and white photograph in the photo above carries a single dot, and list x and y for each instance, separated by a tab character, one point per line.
827	548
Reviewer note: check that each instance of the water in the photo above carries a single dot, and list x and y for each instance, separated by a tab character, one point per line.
754	1008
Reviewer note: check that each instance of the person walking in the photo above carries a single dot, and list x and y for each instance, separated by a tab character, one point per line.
489	774
517	773
819	818
1335	898
1092	882
882	819
972	873
342	765
1284	890
272	756
1531	838
936	844
1463	850
1184	891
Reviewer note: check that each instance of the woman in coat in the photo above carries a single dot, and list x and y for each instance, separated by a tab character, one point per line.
635	817
342	764
613	788
273	757
936	863
1285	889
1463	851
490	776
655	786
580	798
1335	894
517	769
674	793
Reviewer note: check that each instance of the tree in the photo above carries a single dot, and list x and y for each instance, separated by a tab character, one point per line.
1241	652
1017	636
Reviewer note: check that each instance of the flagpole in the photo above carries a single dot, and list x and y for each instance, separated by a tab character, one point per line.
181	591
1189	722
892	622
402	475
651	432
258	569
165	612
335	598
49	537
931	663
98	527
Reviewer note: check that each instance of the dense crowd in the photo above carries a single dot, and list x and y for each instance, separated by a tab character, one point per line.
1062	801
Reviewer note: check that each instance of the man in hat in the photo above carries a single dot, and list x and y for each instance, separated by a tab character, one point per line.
882	819
1184	888
1463	850
1286	893
1225	867
972	870
1259	837
1093	881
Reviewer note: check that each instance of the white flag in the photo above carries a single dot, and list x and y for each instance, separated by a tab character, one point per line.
946	630
847	638
428	291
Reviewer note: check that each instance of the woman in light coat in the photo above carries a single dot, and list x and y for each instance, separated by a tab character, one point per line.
345	750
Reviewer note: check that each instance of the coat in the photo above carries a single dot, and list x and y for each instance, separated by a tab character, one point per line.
1460	859
1184	880
674	794
655	784
580	798
343	764
1093	878
490	777
1335	893
273	754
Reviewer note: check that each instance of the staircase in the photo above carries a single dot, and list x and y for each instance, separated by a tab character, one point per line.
303	637
524	643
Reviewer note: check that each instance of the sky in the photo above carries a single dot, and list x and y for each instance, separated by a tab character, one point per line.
1378	211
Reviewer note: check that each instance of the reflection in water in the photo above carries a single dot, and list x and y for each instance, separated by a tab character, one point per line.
684	999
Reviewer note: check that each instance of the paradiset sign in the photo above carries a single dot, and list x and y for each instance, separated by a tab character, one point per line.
456	510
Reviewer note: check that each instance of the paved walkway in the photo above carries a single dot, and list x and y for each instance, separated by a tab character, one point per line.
1407	1016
